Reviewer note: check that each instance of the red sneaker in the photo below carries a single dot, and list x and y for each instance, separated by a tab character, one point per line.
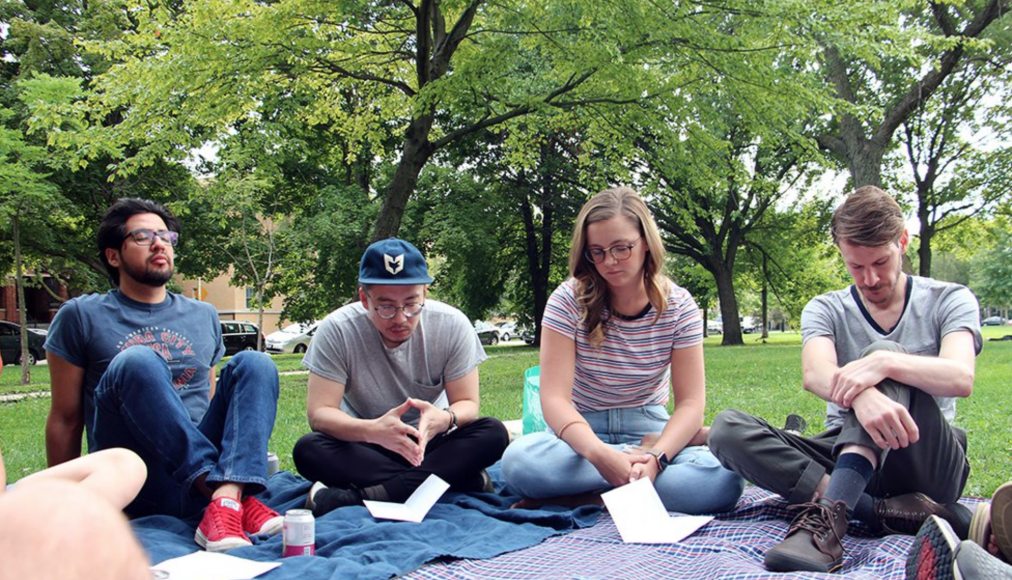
260	520
221	527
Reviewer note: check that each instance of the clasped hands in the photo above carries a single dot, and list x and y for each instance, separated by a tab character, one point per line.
390	432
622	467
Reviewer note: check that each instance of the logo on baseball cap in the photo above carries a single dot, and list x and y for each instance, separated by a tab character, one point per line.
393	262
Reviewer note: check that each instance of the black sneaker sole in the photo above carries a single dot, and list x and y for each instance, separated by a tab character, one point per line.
933	554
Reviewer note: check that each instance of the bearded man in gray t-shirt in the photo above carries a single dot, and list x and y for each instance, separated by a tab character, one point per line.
889	355
393	391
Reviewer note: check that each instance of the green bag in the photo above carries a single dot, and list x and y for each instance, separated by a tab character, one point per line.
534	421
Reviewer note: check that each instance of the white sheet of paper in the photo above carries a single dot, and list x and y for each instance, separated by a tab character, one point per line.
641	518
413	510
213	566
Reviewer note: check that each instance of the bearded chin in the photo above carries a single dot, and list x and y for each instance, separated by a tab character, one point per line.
154	278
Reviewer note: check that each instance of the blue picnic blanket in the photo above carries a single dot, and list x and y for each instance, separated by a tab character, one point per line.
351	544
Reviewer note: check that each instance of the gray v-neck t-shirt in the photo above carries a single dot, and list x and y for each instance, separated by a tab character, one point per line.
932	310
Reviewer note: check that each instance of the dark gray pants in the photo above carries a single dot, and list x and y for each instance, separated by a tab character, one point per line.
792	466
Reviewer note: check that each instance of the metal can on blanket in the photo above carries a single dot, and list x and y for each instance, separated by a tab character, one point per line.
272	463
299	536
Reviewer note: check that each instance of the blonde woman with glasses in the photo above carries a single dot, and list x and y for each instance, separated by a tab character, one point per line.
620	338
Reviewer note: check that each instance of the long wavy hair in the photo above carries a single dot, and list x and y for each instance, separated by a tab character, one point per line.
592	294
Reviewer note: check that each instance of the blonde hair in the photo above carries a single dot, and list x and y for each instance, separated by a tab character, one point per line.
591	290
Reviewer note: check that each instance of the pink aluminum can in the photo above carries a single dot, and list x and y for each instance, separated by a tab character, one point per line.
299	536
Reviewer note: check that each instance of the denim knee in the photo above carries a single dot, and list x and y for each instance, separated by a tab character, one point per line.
135	358
133	366
254	364
249	361
696	483
523	464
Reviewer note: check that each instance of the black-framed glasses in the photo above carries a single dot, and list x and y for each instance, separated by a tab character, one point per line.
620	252
146	236
386	311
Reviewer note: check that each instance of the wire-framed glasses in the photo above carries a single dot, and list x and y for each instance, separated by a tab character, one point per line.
386	311
145	236
620	252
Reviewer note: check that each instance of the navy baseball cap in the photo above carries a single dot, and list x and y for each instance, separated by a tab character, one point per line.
393	262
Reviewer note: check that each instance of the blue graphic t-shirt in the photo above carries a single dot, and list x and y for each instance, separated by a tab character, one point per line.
90	330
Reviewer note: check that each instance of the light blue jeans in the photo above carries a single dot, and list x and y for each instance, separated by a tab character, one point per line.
540	465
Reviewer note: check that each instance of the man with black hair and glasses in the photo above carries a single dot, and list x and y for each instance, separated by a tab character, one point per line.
393	391
135	368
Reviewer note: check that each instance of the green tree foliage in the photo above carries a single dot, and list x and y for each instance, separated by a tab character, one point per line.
885	70
457	225
434	72
538	171
992	267
42	76
790	258
29	202
715	187
956	146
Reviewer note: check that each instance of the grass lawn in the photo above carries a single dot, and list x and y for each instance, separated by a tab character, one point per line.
763	379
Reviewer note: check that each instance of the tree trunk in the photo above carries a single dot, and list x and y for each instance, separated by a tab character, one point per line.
538	260
927	232
865	161
19	281
416	151
728	306
765	300
260	320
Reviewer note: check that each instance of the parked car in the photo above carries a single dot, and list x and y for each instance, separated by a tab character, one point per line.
488	335
507	330
10	344
714	326
239	336
292	338
992	321
527	334
750	325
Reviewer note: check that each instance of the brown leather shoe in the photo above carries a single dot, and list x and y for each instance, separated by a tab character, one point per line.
814	541
904	514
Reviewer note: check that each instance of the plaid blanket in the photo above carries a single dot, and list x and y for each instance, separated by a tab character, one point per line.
730	546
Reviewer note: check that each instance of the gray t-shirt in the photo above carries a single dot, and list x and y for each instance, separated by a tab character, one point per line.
932	310
348	349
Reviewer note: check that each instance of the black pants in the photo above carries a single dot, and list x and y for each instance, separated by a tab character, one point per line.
457	458
792	466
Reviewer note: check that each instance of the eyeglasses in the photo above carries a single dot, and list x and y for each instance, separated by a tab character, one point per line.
386	312
620	252
146	236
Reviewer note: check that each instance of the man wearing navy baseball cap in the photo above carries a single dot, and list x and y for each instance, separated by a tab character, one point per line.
393	391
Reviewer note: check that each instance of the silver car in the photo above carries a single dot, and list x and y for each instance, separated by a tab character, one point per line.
292	338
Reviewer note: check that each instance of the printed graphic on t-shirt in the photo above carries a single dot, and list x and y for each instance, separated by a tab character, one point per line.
175	348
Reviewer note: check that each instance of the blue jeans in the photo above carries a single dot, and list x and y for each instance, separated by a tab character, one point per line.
540	465
137	407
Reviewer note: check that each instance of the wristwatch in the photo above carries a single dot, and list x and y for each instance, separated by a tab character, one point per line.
661	457
453	421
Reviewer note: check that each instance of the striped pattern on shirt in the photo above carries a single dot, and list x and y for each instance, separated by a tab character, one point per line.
632	367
